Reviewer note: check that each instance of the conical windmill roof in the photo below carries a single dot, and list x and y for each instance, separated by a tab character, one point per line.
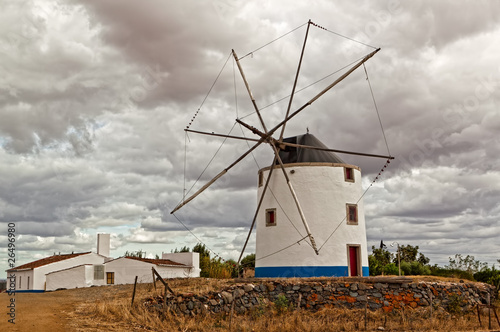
292	155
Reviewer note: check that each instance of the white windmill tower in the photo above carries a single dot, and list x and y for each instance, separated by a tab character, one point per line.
329	190
302	197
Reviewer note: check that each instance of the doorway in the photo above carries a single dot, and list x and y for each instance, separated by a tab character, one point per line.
354	260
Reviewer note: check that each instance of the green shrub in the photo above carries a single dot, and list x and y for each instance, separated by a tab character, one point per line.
391	269
281	304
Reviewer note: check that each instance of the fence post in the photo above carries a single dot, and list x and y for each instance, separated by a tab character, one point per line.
133	294
154	279
489	310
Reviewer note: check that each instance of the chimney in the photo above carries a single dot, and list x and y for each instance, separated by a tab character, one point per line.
103	244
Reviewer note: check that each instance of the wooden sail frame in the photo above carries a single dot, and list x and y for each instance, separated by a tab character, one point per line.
278	144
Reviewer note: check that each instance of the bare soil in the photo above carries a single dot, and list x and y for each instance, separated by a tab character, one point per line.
62	310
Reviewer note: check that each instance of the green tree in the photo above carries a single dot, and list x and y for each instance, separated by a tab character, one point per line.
201	249
138	254
423	260
489	275
248	261
378	259
468	264
183	249
408	253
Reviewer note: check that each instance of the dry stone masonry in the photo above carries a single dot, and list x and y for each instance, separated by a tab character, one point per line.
387	294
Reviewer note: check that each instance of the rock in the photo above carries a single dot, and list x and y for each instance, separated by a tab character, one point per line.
190	305
363	286
238	292
380	328
213	302
354	287
248	288
228	298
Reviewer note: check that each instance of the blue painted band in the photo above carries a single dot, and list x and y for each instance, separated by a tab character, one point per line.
304	271
30	291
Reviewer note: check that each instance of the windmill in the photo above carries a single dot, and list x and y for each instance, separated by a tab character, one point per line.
277	172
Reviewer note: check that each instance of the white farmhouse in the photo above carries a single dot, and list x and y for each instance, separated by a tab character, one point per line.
32	276
87	269
329	192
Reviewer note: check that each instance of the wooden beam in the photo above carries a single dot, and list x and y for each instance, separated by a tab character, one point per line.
221	135
335	150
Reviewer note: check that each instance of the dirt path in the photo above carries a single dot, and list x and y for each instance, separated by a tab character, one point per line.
59	310
38	311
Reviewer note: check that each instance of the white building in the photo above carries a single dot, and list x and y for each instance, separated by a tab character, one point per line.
329	192
123	270
91	269
32	276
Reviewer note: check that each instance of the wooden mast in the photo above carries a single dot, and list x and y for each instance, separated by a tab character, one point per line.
266	137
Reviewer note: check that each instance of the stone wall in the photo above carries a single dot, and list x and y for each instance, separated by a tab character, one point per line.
315	294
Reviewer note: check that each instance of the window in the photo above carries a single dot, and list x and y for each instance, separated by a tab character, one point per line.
352	214
349	174
28	284
270	217
110	278
20	282
98	272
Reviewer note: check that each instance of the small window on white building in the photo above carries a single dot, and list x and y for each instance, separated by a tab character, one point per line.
270	217
28	283
349	174
352	214
98	272
110	278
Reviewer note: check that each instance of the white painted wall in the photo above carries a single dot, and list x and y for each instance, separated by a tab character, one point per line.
40	272
323	193
103	244
75	277
23	277
186	258
125	270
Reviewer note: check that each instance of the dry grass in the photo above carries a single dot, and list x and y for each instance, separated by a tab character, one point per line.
114	313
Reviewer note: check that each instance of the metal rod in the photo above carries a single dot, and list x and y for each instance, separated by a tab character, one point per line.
296	79
221	135
249	91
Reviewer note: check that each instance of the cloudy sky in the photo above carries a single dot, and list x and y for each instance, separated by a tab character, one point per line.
95	96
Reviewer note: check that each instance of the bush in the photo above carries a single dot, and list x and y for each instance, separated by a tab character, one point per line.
450	273
405	268
391	269
281	304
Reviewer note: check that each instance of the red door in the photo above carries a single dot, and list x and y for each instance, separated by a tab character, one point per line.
353	261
